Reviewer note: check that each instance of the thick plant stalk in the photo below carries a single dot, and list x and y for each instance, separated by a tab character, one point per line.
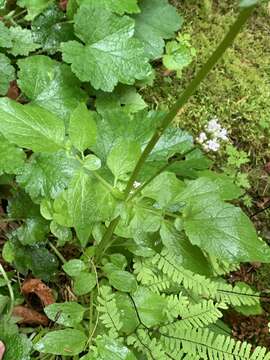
190	90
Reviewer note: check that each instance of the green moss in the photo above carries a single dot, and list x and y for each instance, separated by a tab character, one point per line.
238	89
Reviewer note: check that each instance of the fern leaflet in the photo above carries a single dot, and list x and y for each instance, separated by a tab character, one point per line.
151	348
236	295
151	277
169	264
224	293
196	316
208	345
110	316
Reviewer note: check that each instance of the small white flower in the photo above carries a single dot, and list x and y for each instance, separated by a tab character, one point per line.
205	147
212	137
222	134
213	126
202	137
136	184
213	145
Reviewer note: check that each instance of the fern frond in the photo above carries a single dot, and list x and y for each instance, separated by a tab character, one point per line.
208	345
151	348
236	295
180	354
150	277
221	267
196	316
168	263
223	293
110	316
175	305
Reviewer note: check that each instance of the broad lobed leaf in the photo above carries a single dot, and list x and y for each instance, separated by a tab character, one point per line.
224	231
31	126
82	128
117	6
5	38
164	189
11	157
47	175
34	7
150	30
110	54
115	125
51	28
22	41
88	201
7	74
50	84
123	158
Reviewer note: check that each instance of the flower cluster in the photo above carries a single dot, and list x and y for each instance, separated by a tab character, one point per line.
136	184
211	138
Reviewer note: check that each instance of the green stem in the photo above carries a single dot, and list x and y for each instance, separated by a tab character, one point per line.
45	357
104	182
92	327
3	220
158	172
91	312
97	176
106	238
19	14
190	90
66	22
57	252
158	212
11	293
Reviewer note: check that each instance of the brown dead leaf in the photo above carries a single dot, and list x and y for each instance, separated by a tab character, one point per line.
262	203
3	225
267	167
256	265
167	72
250	328
63	4
37	287
30	316
13	91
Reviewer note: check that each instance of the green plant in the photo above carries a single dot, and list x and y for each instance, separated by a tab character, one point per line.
179	54
233	168
115	180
